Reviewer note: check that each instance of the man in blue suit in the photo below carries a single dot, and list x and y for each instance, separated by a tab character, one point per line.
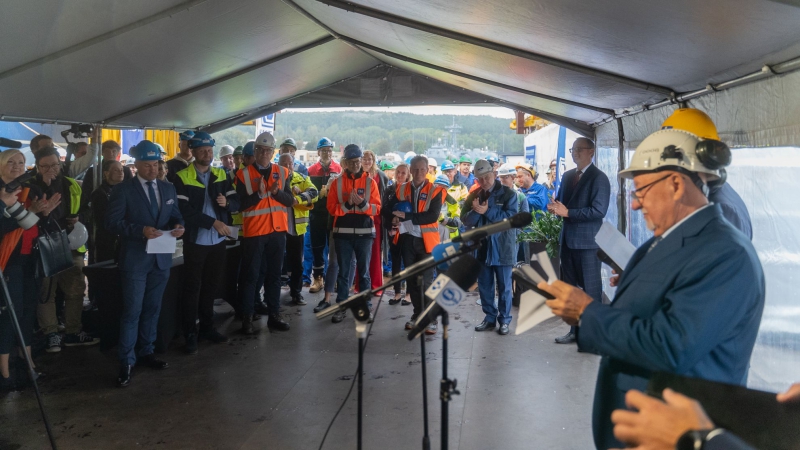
582	201
690	299
137	210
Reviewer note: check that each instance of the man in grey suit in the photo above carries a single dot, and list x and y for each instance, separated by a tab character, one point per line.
582	201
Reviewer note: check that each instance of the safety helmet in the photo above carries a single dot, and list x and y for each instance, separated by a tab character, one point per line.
403	207
145	151
186	135
408	157
506	169
482	167
692	120
290	142
249	149
447	165
161	147
201	139
225	150
493	159
387	165
238	150
324	142
528	167
78	236
442	180
679	150
432	162
464	159
266	139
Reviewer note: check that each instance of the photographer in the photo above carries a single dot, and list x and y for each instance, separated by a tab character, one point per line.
19	230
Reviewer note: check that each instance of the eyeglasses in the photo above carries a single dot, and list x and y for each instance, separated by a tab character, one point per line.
578	150
640	198
352	161
49	167
261	148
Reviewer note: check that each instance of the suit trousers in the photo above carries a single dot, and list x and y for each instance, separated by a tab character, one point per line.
202	277
142	293
488	276
582	268
262	256
294	263
413	250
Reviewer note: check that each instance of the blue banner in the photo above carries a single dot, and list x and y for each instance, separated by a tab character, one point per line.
530	155
560	159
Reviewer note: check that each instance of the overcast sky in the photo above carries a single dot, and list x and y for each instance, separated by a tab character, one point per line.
493	111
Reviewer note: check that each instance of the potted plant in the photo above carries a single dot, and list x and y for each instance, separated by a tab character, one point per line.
543	234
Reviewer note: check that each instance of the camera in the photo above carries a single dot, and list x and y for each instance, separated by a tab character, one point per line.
78	131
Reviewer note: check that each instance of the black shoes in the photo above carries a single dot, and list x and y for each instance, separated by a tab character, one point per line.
395	301
339	316
503	329
152	362
213	336
191	344
261	308
276	322
298	300
485	326
321	305
568	338
124	378
247	326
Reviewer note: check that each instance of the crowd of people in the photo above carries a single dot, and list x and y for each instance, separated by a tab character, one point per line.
340	226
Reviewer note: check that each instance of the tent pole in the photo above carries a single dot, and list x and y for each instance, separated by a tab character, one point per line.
622	204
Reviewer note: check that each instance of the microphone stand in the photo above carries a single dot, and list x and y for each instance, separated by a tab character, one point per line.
426	440
357	303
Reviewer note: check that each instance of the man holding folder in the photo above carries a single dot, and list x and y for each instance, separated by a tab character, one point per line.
138	209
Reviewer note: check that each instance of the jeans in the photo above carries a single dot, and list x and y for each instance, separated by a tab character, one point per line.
202	277
346	248
413	250
261	256
141	304
308	260
73	283
486	287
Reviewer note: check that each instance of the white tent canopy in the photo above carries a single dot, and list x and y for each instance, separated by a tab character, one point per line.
213	63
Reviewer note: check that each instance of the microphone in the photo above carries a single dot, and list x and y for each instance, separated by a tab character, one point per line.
519	220
9	143
447	291
442	251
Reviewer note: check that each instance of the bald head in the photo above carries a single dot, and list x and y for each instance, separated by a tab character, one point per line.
286	160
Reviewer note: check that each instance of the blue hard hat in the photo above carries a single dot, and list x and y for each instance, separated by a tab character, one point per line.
249	149
403	207
146	151
442	180
201	139
186	135
493	159
324	142
447	165
352	151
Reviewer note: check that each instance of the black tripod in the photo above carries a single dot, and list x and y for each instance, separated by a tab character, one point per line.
10	305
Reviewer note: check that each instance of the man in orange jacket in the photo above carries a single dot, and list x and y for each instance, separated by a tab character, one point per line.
353	199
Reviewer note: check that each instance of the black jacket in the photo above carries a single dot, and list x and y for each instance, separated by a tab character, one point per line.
191	197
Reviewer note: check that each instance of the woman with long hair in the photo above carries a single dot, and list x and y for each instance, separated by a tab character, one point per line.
401	175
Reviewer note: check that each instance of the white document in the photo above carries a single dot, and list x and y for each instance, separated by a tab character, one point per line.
234	232
532	311
614	244
405	227
547	266
162	244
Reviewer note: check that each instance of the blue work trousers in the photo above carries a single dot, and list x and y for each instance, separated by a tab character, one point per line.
141	304
346	248
486	287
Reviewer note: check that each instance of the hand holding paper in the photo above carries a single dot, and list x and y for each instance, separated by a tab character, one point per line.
569	301
165	243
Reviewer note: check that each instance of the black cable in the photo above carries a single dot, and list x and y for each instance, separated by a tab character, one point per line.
353	383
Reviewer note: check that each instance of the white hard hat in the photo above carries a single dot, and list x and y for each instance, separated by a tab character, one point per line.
225	150
507	169
78	236
432	162
670	149
266	139
482	167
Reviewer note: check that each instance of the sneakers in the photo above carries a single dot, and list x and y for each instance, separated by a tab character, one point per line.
74	340
53	343
317	285
431	328
339	316
298	300
321	305
411	322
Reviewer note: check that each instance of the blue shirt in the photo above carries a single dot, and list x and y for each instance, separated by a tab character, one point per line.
467	181
537	197
207	237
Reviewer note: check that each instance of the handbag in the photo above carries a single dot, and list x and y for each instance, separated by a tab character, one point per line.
54	253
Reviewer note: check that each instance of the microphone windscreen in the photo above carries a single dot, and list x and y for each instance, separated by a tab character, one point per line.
464	271
521	220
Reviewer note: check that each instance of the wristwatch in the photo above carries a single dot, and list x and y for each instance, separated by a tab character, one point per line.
695	439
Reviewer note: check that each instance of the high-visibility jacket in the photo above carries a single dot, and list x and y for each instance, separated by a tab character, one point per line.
349	219
430	231
75	202
305	201
268	215
450	210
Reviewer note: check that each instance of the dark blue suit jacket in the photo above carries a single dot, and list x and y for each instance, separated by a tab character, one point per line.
691	306
587	203
129	212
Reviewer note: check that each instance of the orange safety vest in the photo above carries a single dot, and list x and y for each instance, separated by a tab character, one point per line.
430	232
268	215
342	187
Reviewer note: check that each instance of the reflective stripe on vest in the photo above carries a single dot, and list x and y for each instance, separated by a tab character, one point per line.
268	215
370	209
430	232
261	212
248	184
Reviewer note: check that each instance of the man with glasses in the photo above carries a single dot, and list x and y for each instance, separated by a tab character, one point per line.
582	201
266	198
690	299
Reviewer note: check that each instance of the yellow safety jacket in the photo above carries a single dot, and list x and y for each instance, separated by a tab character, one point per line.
306	198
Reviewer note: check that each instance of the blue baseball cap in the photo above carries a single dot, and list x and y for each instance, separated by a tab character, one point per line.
249	149
186	135
201	139
146	151
352	151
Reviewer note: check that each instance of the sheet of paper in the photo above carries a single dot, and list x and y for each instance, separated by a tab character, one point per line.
614	244
532	311
162	244
547	266
405	227
532	274
234	232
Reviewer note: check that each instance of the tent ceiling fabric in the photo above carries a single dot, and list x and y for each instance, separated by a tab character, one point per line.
186	63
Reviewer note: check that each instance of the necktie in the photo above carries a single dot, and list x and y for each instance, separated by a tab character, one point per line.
153	200
577	178
655	242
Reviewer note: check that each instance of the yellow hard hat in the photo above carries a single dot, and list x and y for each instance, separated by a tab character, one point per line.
692	120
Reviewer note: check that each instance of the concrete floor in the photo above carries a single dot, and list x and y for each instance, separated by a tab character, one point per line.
280	391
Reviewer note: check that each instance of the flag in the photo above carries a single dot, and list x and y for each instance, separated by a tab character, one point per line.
266	123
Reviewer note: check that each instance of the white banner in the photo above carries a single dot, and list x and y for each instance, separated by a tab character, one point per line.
266	123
